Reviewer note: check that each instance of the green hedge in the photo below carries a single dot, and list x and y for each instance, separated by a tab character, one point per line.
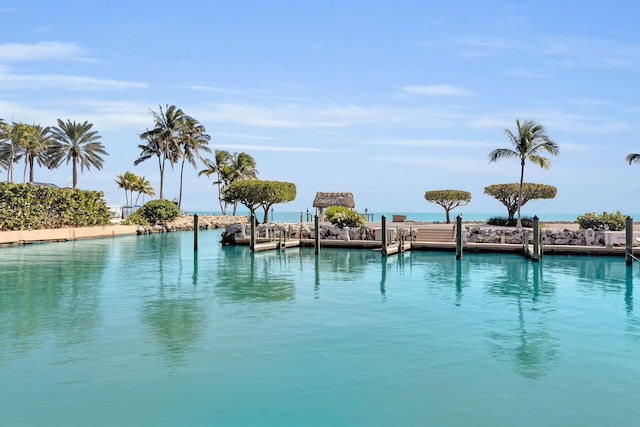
31	207
154	212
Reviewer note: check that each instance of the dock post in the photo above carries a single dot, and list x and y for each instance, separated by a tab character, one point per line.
316	233
195	232
383	236
252	241
536	238
459	236
628	252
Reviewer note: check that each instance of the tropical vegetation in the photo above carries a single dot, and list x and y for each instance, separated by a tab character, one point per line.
528	143
229	168
76	143
27	207
508	194
175	137
254	193
154	212
341	216
448	199
605	221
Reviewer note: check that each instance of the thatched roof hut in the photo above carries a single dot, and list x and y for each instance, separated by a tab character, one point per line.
326	199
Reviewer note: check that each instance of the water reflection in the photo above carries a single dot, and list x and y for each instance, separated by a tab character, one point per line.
526	341
47	294
443	272
173	307
178	323
260	276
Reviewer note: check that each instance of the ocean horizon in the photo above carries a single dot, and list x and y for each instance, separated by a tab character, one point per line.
291	216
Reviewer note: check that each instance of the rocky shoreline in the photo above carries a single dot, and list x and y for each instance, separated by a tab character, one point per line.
186	223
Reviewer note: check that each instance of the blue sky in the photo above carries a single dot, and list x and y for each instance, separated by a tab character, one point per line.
382	99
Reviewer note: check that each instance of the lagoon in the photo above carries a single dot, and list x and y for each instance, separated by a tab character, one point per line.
140	330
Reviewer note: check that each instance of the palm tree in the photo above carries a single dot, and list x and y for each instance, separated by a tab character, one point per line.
163	140
35	148
241	166
221	162
127	182
633	158
76	143
193	138
142	186
14	137
529	140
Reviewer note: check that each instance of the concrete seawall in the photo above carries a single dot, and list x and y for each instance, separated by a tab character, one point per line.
19	237
183	223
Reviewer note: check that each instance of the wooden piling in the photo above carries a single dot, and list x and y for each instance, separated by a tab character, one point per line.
252	241
628	252
316	233
383	236
459	236
536	238
195	232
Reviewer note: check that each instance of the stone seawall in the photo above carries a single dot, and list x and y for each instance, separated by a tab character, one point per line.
473	234
185	223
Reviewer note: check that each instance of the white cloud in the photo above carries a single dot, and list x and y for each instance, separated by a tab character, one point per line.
272	148
16	52
436	90
9	81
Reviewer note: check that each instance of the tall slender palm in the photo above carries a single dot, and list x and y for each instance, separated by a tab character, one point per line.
528	142
221	162
14	137
193	139
76	143
35	149
242	166
127	182
142	186
163	140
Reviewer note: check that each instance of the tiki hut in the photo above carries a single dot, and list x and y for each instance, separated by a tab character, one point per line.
325	199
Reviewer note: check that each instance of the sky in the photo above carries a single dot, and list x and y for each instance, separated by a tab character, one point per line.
383	99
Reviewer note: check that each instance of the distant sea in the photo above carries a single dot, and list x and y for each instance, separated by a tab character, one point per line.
411	216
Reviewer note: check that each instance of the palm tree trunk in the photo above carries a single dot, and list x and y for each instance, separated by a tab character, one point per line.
223	209
75	173
180	193
31	175
161	163
519	222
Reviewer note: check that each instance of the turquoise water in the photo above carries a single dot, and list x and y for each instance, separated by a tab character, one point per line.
139	331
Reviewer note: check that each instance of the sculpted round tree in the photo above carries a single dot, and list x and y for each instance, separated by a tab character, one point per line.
448	199
507	194
254	193
528	142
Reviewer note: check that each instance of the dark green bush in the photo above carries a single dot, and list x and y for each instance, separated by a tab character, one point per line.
154	212
506	222
344	217
31	207
605	221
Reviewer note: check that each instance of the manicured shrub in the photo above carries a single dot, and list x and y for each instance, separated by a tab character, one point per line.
31	207
154	212
605	221
506	222
344	217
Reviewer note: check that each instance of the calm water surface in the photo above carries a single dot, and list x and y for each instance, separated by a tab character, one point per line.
141	331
